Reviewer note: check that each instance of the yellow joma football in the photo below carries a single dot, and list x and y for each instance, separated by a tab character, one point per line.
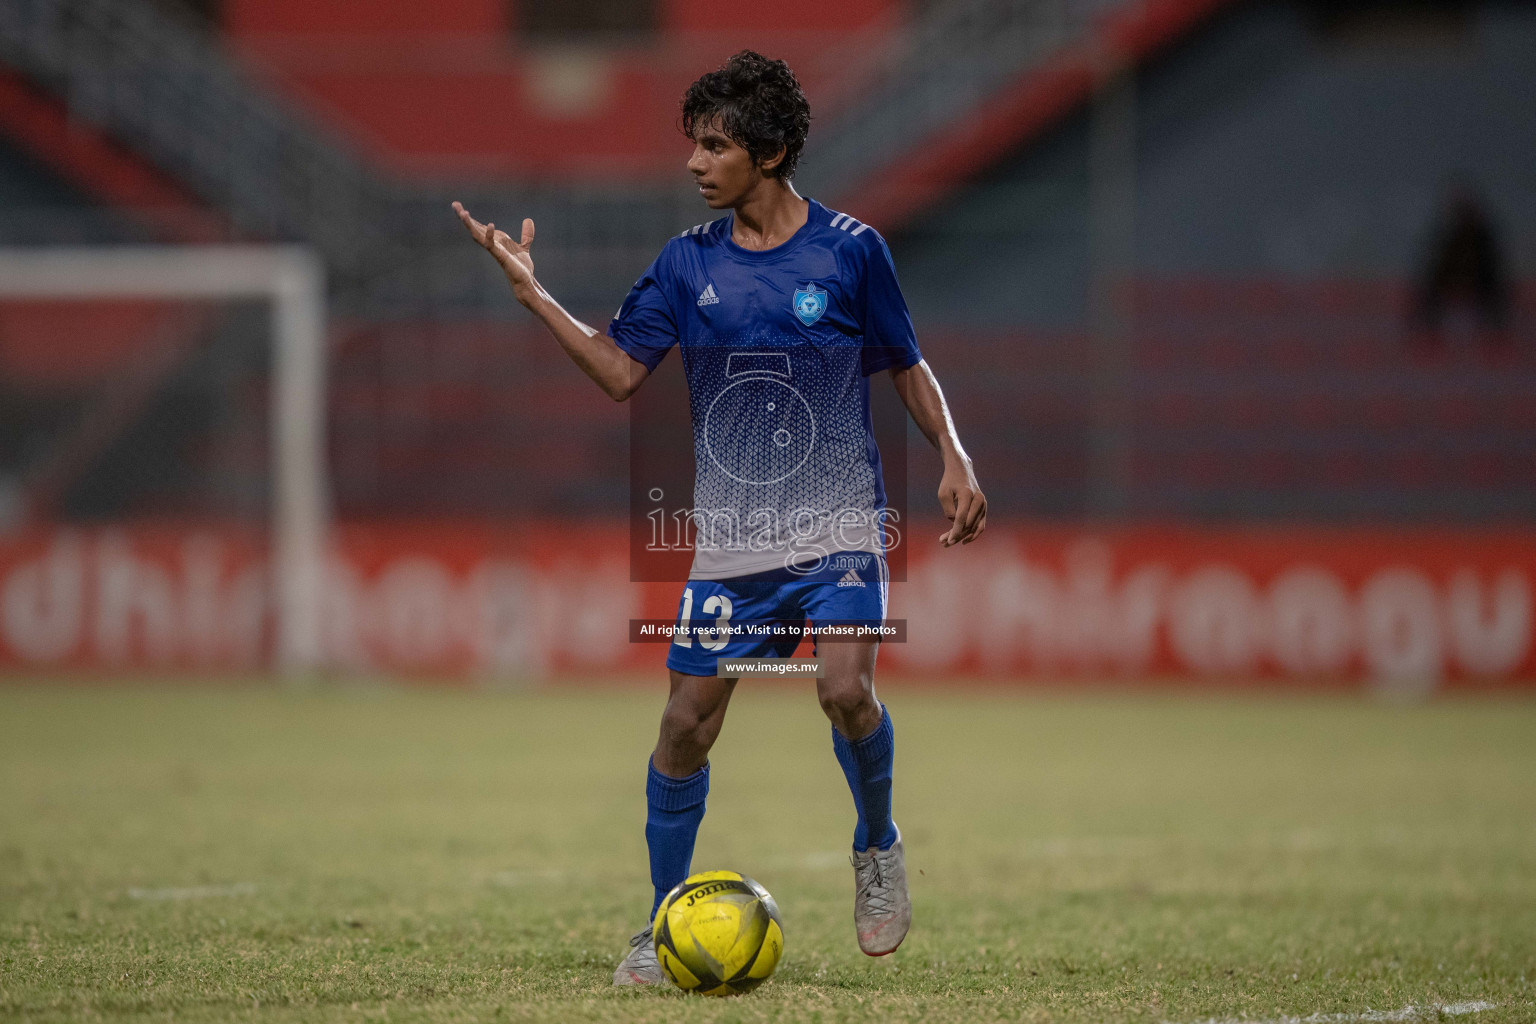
719	933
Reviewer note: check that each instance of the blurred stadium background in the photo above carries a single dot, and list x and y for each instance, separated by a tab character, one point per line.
1234	302
1235	305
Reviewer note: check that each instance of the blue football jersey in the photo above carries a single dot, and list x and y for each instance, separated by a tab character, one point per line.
777	346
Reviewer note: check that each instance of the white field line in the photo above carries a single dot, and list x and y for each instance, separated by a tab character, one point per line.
1072	847
1294	841
1049	848
512	879
1299	841
1407	1013
820	860
194	892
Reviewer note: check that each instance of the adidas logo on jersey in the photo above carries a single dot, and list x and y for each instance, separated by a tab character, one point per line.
707	297
850	579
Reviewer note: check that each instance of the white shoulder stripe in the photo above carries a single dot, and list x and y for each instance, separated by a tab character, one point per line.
859	230
836	221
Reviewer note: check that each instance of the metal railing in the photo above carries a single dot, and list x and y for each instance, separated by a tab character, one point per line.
161	85
956	56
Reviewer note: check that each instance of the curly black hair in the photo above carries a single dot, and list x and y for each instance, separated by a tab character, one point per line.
760	105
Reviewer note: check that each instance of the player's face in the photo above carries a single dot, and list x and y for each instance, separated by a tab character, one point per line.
725	172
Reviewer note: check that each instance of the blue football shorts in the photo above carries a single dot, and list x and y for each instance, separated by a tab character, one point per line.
766	611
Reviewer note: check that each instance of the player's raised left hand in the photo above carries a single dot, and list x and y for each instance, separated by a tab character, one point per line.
964	505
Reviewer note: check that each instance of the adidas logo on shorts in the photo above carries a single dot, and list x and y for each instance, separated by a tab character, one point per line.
707	297
850	579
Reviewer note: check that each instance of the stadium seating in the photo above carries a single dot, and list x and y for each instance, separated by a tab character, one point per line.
462	89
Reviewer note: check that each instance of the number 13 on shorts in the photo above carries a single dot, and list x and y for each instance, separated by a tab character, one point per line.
716	604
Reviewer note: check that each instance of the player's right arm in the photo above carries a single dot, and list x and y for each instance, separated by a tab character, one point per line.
614	370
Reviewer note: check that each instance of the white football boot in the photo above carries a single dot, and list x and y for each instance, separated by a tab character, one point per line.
882	911
640	966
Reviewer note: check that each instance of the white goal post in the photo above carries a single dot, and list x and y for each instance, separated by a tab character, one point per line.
292	279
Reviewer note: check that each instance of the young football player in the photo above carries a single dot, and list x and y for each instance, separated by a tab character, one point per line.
782	310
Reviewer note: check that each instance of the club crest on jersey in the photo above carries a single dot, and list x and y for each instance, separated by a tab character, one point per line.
810	302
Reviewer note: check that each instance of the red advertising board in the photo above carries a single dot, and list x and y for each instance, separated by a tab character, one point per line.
1411	609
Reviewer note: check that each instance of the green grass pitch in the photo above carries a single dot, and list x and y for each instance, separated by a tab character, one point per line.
178	854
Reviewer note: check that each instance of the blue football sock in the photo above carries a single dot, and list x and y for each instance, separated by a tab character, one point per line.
867	766
674	808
